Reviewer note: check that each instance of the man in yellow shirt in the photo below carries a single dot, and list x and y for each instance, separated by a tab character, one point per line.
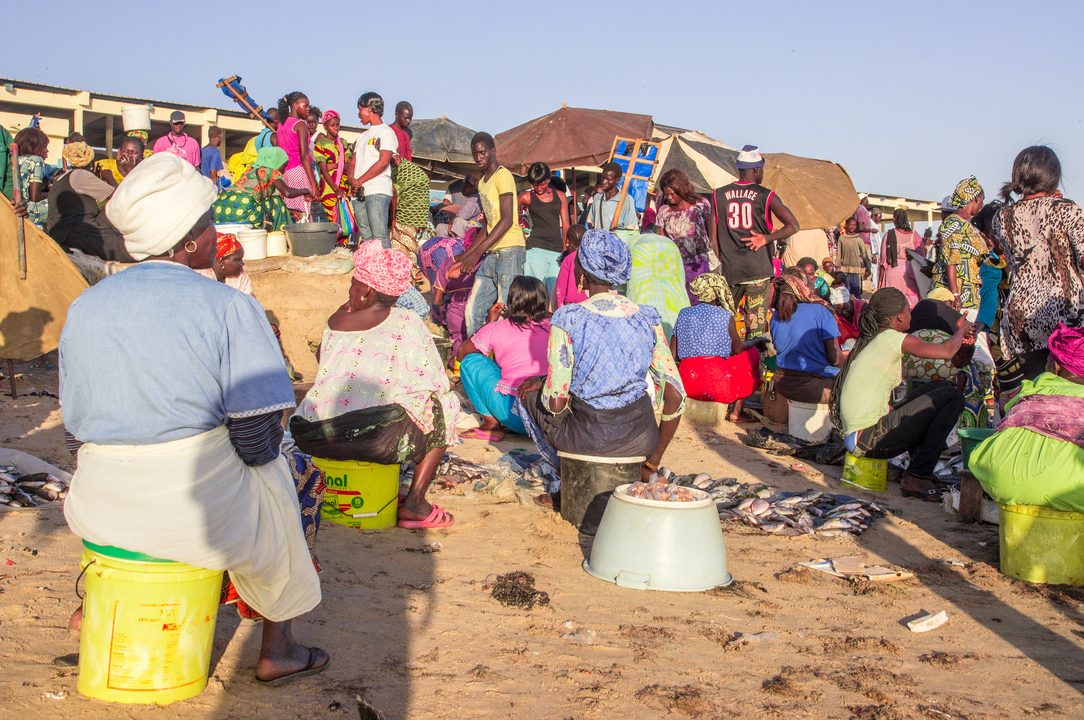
499	250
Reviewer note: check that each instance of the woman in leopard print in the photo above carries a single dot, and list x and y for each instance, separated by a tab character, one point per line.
1043	238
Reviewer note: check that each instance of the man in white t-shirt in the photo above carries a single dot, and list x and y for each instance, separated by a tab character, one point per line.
372	171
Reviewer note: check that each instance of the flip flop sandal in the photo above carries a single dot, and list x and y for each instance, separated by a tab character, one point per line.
307	670
437	519
931	495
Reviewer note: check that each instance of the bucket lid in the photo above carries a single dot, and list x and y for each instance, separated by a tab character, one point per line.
122	554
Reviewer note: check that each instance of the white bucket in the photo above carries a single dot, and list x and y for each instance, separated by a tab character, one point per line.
136	117
232	228
276	244
254	242
809	421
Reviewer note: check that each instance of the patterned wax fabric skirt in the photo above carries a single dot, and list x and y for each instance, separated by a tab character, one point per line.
236	205
296	178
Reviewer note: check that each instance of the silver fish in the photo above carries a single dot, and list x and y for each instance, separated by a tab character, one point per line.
21	496
812	495
836	524
764	494
759	507
32	485
746	503
773	527
832	533
792	500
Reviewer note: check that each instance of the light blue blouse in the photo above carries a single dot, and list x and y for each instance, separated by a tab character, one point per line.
158	353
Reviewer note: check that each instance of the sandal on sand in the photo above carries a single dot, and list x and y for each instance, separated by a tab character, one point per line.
437	519
307	670
931	495
476	434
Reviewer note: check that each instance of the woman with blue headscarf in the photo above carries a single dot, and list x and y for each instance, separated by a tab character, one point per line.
595	402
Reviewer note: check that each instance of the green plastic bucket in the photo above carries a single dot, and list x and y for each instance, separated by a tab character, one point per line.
1042	545
970	439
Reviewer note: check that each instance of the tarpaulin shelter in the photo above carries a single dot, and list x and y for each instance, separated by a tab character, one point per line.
568	138
33	310
442	147
819	193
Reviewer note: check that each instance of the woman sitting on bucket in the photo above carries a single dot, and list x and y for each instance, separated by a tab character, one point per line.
594	401
381	394
176	387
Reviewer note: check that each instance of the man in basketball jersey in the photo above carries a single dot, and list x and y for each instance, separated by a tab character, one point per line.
742	225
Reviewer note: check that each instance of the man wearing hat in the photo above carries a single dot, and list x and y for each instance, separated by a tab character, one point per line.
746	237
178	142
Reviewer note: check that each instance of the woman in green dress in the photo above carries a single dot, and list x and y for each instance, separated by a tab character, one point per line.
255	198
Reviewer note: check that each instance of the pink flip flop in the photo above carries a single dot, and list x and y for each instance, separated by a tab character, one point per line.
476	434
437	519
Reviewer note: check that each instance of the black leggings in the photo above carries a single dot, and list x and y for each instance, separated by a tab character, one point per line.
919	425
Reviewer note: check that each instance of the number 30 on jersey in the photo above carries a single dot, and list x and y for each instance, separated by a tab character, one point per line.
739	215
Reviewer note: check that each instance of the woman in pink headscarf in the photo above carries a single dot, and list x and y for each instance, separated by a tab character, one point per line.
381	394
1036	457
332	155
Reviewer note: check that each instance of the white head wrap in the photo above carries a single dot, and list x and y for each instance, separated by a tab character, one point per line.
158	203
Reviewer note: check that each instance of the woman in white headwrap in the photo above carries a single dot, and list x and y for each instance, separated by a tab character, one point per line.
175	386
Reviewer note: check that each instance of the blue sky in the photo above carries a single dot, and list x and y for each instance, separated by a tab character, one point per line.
909	97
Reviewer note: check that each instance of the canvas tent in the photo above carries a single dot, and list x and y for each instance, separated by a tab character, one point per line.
33	311
442	147
819	193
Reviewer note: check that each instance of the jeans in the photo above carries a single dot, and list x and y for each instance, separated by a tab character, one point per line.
854	284
480	376
491	280
919	425
372	216
544	265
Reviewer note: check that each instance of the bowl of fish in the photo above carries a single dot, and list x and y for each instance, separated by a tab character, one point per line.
660	536
29	489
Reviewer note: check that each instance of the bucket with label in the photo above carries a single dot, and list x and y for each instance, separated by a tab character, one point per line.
360	494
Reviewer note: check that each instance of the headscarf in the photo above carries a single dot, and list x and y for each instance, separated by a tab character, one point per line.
800	287
145	137
1067	348
966	191
270	157
942	294
605	256
78	154
386	271
227	245
158	203
341	162
709	287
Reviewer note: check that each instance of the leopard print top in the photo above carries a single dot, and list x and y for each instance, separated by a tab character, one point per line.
1043	239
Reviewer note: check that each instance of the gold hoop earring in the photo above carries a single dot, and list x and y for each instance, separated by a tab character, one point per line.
191	250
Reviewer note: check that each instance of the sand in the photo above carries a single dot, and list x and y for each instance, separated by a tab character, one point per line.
420	636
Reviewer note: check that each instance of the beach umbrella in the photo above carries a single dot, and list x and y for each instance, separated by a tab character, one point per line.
819	193
569	137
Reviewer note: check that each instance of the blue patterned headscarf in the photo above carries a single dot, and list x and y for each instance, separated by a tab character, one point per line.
605	256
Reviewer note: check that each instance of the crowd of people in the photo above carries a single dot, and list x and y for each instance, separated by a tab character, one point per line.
584	325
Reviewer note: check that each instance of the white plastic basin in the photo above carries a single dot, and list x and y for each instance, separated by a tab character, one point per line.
654	545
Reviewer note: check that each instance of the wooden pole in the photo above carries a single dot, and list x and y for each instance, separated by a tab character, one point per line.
20	229
11	380
109	137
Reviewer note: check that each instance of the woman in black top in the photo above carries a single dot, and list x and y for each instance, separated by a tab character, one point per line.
548	211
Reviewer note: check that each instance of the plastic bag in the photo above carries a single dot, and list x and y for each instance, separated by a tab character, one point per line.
347	222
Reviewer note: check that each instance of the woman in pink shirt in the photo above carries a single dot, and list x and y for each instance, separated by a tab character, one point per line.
293	137
566	292
519	344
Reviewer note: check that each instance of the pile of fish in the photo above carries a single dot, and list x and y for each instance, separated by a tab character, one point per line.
452	471
659	489
20	491
788	514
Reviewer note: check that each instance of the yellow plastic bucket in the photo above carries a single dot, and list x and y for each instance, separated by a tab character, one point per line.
865	473
360	494
1042	545
148	627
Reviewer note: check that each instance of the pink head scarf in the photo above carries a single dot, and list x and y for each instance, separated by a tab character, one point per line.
339	143
1067	348
386	271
